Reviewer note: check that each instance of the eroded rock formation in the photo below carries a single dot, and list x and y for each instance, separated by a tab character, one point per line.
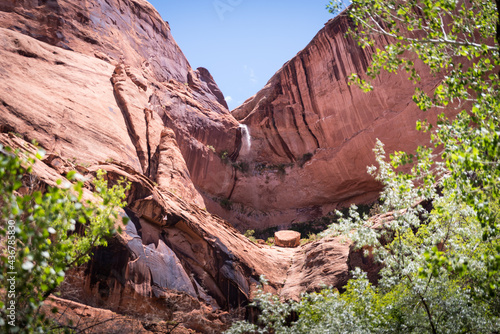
312	133
176	262
132	81
101	84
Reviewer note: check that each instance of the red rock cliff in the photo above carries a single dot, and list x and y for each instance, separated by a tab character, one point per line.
101	84
123	42
312	134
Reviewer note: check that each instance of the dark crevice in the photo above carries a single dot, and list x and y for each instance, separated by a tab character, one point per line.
154	165
197	272
309	129
82	18
294	119
284	145
235	180
134	137
313	102
90	40
135	220
108	262
235	298
148	144
27	54
237	146
6	128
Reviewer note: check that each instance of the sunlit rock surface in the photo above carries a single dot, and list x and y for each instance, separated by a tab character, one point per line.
313	133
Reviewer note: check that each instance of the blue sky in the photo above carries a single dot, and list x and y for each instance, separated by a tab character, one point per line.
242	42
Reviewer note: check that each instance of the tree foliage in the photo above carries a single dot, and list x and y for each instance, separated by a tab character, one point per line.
441	270
43	234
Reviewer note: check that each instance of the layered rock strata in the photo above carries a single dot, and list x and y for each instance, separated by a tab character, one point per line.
112	77
102	84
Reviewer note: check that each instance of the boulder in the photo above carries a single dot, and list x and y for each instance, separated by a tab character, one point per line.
287	239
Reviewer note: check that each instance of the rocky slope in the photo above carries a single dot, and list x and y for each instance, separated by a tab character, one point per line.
101	84
97	42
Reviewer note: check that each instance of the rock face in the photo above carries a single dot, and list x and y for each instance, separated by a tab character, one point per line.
101	84
312	134
132	79
173	258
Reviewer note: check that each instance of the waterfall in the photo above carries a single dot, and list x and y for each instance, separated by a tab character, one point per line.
245	133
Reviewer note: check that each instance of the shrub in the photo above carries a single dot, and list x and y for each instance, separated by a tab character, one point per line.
45	234
250	235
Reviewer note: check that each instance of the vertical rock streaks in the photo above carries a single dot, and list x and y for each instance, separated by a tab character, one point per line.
309	110
311	99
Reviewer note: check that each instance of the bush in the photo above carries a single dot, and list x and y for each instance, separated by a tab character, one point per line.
250	235
45	234
226	203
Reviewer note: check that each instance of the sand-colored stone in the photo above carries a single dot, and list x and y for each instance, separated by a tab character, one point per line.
287	238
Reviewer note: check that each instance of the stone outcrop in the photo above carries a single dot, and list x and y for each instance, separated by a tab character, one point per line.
171	257
112	77
175	261
102	84
311	133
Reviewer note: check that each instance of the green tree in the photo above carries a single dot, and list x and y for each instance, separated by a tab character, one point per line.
44	234
441	267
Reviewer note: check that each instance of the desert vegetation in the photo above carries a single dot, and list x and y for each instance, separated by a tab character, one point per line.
45	232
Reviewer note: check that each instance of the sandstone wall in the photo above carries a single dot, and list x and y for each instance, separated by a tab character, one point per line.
312	134
101	84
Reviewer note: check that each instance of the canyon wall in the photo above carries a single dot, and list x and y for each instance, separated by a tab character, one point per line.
152	85
312	133
101	84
